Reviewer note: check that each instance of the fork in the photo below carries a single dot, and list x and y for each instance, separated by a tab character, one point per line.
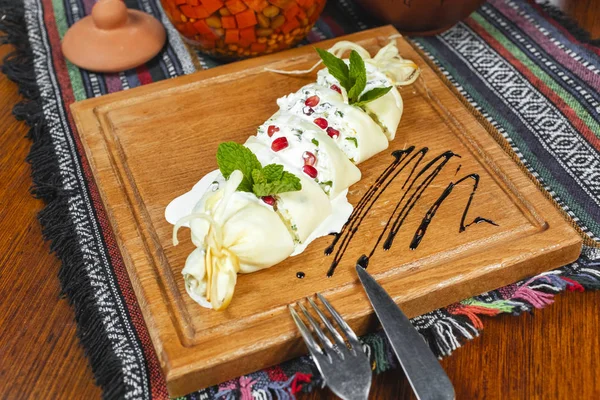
345	369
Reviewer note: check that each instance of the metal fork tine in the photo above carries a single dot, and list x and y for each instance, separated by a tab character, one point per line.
305	332
352	338
315	325
346	371
337	337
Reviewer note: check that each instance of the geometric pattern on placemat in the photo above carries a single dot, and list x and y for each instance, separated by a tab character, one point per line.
577	157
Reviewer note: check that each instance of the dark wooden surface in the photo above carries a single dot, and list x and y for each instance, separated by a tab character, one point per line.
586	12
553	353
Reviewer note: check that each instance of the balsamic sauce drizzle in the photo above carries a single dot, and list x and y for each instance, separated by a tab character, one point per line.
422	229
402	159
361	209
445	157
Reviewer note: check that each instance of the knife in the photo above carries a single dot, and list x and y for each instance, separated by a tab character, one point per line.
424	372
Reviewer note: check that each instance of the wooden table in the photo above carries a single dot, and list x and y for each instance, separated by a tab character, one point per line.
552	353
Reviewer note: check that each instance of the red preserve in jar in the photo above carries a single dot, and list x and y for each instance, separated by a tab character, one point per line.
243	28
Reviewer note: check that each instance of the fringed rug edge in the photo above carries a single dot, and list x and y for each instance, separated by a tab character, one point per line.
566	22
54	217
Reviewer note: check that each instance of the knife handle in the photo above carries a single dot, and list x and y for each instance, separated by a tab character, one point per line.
426	376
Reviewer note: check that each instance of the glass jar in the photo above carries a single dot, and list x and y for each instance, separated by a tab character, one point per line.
234	29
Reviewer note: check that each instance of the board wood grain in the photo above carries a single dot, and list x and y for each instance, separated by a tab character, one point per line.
150	144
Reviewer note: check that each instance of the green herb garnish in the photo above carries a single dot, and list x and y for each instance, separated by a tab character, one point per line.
315	142
353	79
326	186
353	140
371	95
358	75
270	180
337	67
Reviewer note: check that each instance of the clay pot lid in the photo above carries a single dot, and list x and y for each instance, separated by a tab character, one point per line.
113	38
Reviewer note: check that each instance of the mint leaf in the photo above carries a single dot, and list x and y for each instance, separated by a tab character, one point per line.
291	180
353	78
315	142
337	68
288	183
371	95
258	176
265	189
358	76
232	156
271	179
272	172
353	140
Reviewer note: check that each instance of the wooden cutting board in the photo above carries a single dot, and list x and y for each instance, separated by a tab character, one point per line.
153	143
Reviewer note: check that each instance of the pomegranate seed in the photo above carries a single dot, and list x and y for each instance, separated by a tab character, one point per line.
270	200
336	88
272	129
321	123
312	101
279	144
310	171
309	158
333	133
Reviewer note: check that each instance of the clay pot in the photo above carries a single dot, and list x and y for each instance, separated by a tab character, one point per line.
420	17
113	38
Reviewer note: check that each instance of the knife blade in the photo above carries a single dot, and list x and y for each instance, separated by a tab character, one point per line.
424	372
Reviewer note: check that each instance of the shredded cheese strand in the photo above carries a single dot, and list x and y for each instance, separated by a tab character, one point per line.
189	218
296	72
387	59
